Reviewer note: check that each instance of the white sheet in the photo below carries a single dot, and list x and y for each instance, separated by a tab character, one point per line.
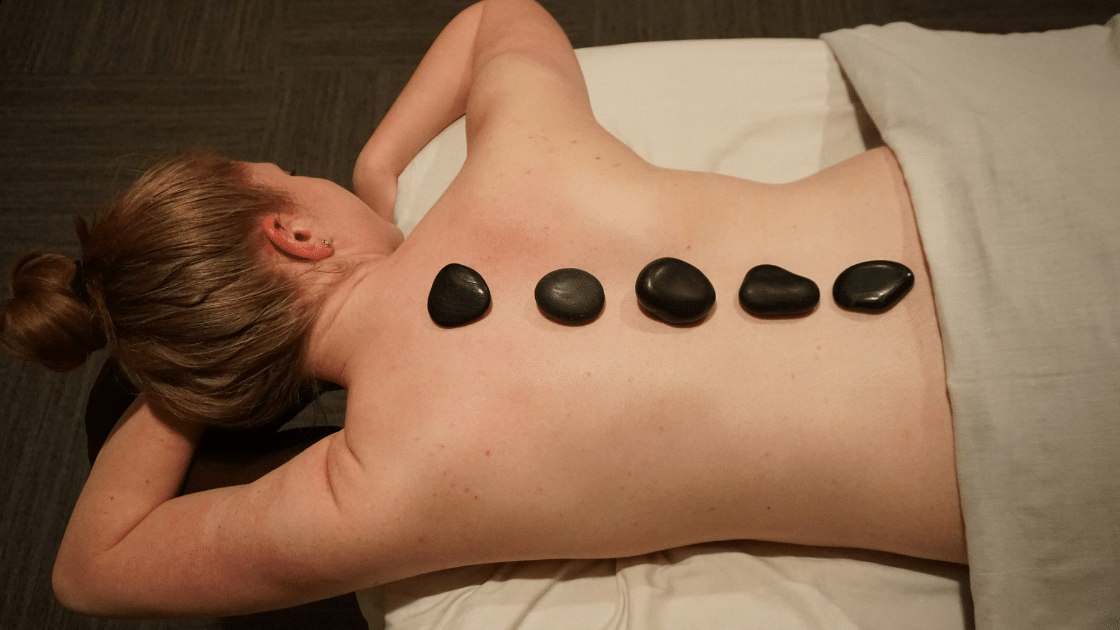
768	110
1011	149
715	586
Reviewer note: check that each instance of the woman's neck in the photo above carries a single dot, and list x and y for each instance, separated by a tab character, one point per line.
337	330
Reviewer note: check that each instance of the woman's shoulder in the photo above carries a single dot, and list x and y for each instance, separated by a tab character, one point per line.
525	73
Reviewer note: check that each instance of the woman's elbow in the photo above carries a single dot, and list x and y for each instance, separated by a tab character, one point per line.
67	587
76	587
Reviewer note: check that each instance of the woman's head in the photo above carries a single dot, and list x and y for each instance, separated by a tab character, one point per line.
175	281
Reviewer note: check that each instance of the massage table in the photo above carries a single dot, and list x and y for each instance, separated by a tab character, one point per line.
1010	147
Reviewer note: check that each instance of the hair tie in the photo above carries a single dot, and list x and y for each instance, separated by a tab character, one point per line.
78	284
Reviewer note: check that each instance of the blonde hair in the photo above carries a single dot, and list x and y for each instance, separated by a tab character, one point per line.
172	279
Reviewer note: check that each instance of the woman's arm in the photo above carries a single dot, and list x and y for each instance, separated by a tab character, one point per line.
141	466
223	458
496	59
435	96
134	548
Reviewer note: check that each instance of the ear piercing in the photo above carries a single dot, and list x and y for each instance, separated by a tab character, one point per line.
291	245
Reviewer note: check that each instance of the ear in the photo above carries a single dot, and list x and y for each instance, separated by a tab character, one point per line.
297	244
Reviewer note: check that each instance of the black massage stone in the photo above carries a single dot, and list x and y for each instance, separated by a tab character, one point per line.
675	291
872	287
570	296
458	297
770	291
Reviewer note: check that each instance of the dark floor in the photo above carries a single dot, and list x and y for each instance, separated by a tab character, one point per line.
92	89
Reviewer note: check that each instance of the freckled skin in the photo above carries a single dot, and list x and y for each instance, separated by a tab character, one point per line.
855	437
515	438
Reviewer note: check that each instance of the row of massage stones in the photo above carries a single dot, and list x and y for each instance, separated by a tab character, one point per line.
675	292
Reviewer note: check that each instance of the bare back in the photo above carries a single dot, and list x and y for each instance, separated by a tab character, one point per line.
516	437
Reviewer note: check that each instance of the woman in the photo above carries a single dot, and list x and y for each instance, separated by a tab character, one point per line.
512	437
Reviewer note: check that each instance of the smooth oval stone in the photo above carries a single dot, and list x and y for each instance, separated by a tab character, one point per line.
770	291
570	296
675	291
872	287
459	296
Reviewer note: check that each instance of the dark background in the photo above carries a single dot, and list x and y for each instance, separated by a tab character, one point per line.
91	90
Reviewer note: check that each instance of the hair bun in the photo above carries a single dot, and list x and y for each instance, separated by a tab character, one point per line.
48	320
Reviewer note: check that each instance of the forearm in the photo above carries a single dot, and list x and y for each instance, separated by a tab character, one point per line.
141	466
434	97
